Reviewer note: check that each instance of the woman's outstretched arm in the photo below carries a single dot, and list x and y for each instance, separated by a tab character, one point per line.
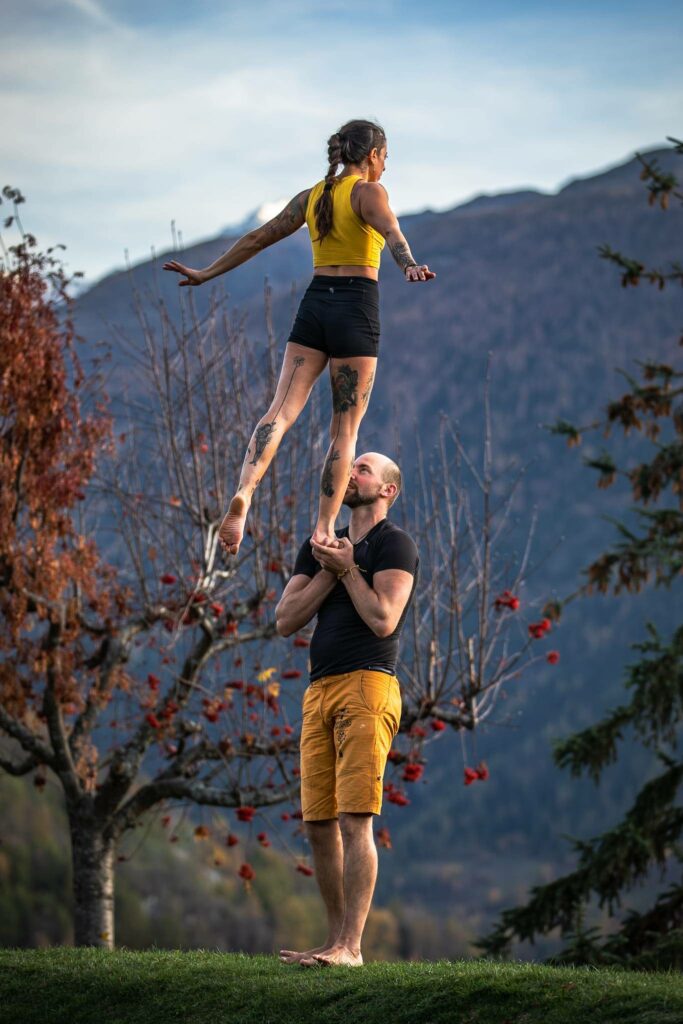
285	223
375	211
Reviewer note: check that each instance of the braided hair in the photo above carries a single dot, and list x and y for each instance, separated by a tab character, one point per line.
350	145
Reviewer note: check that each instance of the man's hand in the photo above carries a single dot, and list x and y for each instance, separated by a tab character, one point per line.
421	273
194	277
334	557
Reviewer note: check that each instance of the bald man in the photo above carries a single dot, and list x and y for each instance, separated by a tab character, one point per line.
360	587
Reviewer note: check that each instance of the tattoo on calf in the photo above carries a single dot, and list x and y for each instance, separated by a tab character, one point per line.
261	438
344	388
365	397
265	431
326	484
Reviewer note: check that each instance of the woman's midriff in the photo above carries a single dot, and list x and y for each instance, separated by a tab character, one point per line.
348	271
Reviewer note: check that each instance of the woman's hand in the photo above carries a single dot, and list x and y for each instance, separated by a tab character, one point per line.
421	273
194	277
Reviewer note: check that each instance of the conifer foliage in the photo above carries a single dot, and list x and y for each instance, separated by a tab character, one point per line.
611	864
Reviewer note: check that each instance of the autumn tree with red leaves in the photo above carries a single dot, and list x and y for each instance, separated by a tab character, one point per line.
157	686
57	597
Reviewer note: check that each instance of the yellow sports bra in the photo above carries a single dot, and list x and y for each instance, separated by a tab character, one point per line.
350	241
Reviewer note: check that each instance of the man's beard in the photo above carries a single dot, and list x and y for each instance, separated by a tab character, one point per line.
352	499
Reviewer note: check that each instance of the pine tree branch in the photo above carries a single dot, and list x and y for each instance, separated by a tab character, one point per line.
646	938
607	864
630	564
654	711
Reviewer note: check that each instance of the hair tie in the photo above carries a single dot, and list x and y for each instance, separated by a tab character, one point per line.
328	186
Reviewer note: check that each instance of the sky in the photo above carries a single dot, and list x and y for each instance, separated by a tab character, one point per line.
120	116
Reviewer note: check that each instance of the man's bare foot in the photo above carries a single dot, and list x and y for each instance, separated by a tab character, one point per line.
291	956
336	956
232	528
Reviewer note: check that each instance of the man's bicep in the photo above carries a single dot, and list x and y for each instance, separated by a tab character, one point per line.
393	585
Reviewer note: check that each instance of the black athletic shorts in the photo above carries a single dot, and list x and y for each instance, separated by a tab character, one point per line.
339	316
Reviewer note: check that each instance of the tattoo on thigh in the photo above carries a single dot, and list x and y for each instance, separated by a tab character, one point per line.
326	484
266	430
365	397
344	388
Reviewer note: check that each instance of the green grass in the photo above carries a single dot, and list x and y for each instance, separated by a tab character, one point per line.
80	986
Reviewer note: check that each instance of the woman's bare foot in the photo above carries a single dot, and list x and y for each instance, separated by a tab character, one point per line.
232	528
291	956
324	535
335	956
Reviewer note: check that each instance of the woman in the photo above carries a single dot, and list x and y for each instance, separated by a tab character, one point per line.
349	220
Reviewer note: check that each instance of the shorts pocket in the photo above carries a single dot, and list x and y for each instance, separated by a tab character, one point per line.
374	690
396	704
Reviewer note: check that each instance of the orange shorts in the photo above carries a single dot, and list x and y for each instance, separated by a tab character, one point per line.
349	723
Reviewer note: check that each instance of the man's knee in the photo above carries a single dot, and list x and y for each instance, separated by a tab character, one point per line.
321	826
354	823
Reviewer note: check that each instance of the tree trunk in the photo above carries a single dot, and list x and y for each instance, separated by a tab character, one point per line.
93	886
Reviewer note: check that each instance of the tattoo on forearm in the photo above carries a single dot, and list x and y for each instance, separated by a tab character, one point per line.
326	484
265	431
365	397
402	254
344	388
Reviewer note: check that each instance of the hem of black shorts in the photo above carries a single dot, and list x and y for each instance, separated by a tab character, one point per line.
306	344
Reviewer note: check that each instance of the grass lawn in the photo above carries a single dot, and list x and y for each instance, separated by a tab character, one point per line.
80	986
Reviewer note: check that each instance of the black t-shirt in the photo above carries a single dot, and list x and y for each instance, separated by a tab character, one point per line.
342	641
